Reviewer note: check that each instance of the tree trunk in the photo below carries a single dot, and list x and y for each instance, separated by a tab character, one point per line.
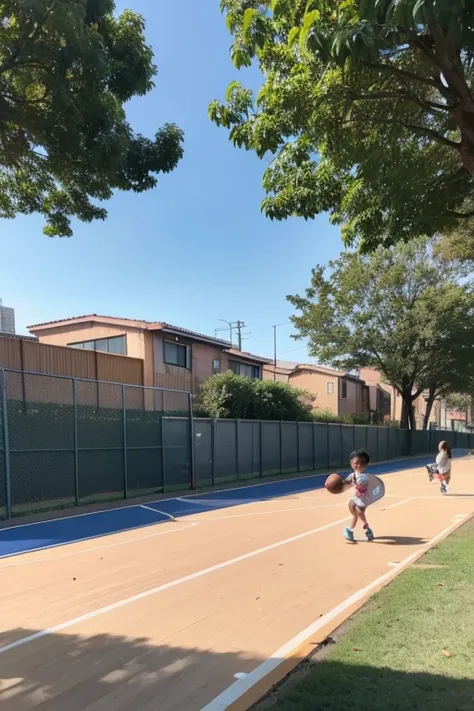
404	415
408	417
429	407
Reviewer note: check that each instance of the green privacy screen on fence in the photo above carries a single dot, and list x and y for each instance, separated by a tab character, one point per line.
66	441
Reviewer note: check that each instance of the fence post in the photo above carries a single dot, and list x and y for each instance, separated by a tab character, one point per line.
162	441
237	444
191	439
76	451
314	445
378	444
328	442
298	444
6	443
214	451
341	444
261	448
124	433
281	448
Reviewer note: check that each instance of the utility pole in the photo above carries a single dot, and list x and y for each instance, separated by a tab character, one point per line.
231	325
240	325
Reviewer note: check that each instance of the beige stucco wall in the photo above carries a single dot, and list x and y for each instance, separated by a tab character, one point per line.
88	331
316	384
280	375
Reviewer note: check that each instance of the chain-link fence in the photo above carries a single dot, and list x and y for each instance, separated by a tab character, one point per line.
66	441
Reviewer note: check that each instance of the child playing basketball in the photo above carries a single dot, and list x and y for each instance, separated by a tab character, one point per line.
368	489
442	467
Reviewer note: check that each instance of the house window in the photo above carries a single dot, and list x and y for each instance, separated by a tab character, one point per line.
252	372
216	367
344	390
330	388
177	354
116	344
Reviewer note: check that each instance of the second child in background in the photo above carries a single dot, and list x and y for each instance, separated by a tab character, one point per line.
442	468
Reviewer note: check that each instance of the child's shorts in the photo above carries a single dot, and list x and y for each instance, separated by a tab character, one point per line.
360	503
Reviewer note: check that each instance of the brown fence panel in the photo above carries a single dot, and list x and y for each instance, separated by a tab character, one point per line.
34	357
119	369
10	356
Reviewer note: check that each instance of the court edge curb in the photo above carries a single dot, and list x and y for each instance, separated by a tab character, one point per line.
310	645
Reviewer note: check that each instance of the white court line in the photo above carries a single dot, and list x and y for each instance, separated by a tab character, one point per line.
299	508
187	524
241	686
165	586
219	503
168	586
157	511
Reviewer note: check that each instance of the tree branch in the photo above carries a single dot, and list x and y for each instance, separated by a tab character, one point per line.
422	130
403	73
404	95
25	40
461	215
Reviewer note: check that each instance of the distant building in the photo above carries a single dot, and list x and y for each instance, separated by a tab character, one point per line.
7	319
340	393
172	357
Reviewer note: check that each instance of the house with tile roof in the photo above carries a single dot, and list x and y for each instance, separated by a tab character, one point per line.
173	357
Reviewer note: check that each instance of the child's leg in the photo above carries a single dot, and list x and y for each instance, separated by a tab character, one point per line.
355	515
349	531
365	523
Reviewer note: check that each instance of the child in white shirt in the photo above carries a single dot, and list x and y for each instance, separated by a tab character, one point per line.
442	468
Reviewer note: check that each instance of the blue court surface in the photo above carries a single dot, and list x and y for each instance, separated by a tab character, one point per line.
29	537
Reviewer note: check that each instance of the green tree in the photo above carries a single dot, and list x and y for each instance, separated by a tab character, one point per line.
67	67
401	311
232	396
368	107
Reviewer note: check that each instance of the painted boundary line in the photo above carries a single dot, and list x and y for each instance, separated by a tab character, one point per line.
245	692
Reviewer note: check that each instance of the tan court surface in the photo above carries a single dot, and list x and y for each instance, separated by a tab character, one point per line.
210	610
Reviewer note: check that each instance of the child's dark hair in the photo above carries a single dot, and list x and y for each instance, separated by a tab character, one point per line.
362	454
445	445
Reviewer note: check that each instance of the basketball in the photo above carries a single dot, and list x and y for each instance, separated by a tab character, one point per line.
334	484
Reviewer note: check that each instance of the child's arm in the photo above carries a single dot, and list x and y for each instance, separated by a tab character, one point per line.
349	481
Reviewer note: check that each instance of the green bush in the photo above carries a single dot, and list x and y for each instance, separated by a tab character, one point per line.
328	416
231	396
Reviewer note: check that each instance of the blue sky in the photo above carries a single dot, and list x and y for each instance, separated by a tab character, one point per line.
196	249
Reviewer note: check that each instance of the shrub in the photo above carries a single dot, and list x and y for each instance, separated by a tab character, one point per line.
231	396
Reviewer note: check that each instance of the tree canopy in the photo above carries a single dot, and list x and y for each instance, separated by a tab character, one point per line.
67	67
401	311
368	107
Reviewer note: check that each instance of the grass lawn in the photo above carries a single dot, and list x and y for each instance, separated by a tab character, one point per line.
410	648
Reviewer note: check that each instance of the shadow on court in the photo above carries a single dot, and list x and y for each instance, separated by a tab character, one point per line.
114	673
399	540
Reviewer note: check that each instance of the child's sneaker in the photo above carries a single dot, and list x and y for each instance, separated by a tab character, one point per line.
444	488
349	535
370	534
